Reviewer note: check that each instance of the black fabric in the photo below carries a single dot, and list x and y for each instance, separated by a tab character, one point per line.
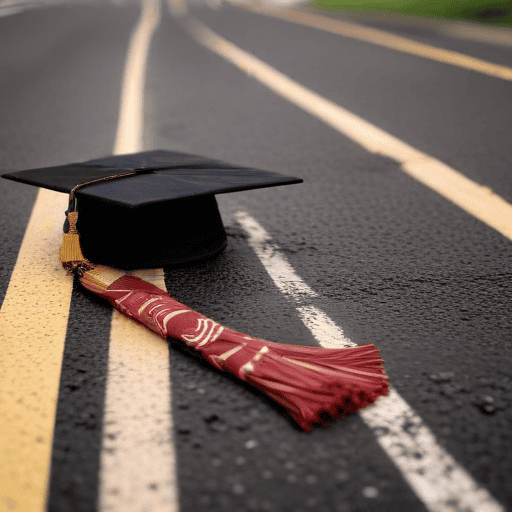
168	176
166	216
152	236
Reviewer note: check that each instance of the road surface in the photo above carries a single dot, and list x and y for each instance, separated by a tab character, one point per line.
386	256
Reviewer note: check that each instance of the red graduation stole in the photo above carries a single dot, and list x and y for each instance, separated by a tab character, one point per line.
314	384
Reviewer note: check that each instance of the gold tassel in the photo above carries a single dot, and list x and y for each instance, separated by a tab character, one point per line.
71	255
100	278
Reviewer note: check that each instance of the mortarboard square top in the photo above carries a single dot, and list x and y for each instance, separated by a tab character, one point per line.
166	176
166	214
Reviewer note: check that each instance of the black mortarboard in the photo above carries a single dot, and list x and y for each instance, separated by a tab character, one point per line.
166	214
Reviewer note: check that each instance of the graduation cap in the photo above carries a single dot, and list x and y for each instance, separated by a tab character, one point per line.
150	209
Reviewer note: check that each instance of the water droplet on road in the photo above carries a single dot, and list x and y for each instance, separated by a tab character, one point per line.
370	492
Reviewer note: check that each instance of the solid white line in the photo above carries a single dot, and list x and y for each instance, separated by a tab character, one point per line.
138	460
433	474
281	271
325	331
477	200
441	483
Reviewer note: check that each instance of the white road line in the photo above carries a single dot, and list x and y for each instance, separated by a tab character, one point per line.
433	474
325	331
475	199
138	460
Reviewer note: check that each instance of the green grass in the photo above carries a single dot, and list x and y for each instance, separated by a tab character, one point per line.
498	12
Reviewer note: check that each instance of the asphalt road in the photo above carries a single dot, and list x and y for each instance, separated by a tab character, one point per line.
393	262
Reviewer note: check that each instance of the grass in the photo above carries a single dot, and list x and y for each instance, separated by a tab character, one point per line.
496	12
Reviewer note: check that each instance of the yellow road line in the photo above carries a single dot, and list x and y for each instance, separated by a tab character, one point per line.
458	29
130	123
476	32
476	199
385	39
178	8
33	325
137	460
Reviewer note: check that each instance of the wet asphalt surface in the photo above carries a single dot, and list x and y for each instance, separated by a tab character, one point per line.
394	264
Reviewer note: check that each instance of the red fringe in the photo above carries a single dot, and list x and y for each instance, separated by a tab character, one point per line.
334	383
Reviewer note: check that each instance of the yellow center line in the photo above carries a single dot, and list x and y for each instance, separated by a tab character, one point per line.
130	122
138	469
138	459
33	325
478	200
385	39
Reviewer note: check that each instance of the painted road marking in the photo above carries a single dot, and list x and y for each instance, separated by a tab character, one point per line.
290	284
464	29
477	200
138	457
33	326
433	474
385	39
32	344
137	460
130	124
477	32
